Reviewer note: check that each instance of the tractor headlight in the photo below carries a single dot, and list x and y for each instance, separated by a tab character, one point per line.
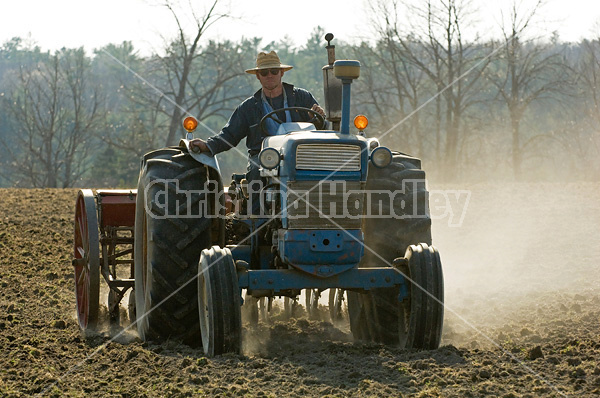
269	158
381	157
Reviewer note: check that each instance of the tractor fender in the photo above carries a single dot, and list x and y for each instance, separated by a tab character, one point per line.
214	174
204	158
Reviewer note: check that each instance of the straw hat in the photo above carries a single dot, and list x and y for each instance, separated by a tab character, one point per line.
268	61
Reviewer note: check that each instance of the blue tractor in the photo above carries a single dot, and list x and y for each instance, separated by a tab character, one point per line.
338	211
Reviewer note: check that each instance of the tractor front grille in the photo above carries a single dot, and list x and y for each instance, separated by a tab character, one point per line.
330	157
325	204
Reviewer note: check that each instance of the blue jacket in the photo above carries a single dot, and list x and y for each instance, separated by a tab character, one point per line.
245	120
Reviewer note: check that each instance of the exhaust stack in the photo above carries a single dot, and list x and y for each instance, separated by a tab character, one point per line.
332	87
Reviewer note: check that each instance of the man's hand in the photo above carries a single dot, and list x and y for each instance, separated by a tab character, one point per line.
318	109
198	145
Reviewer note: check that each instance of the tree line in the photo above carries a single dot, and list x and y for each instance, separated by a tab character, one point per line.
516	108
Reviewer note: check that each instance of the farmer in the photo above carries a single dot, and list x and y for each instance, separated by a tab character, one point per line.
245	120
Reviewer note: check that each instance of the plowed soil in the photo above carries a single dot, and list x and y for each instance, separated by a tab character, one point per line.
522	276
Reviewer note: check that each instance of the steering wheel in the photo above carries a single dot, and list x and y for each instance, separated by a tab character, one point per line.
318	120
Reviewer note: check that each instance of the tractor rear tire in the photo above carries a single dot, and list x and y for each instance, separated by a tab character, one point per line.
378	316
170	233
219	303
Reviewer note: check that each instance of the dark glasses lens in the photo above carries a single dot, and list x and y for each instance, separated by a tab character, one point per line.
265	72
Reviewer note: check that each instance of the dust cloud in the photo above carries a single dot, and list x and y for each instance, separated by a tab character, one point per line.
520	246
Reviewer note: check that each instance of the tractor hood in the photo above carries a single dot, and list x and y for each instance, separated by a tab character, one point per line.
310	155
329	137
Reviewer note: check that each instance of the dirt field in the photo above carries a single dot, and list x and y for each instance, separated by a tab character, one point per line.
522	276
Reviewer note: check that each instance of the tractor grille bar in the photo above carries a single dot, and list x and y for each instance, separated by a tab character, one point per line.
333	204
331	157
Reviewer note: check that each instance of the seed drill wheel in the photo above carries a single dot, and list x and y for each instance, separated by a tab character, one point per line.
336	302
219	302
86	260
171	230
312	303
421	314
131	306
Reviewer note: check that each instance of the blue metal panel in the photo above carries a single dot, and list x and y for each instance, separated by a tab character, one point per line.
345	123
282	195
321	252
322	175
289	145
356	278
240	252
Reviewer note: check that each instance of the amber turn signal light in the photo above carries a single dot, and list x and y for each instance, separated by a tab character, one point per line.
361	122
190	123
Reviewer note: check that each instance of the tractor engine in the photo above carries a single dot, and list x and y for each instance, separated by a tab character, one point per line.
317	183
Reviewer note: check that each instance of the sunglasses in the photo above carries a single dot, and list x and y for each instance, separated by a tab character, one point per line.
265	72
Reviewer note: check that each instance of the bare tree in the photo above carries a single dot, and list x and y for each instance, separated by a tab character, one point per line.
390	81
583	142
197	77
588	71
133	125
529	71
56	112
136	118
214	86
192	76
436	46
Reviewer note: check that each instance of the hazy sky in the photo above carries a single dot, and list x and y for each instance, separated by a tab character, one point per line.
71	23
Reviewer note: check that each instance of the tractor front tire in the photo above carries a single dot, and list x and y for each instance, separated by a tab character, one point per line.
170	233
219	303
378	315
422	312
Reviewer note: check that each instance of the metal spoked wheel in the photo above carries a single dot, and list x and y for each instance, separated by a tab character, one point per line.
131	306
219	302
86	260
